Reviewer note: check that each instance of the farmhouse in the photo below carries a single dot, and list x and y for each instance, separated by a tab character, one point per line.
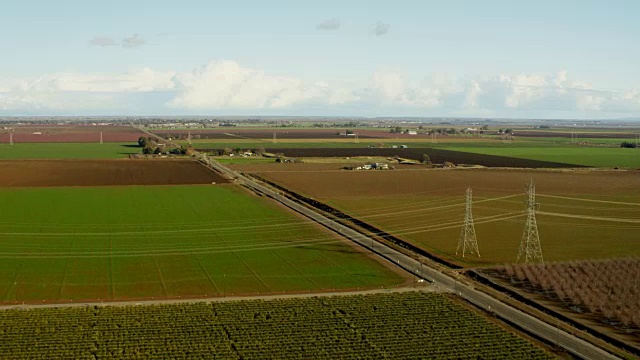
374	166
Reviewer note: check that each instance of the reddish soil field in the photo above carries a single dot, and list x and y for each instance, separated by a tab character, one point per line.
37	173
342	183
69	133
281	133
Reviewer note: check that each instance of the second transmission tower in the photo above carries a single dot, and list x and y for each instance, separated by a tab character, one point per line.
468	241
530	249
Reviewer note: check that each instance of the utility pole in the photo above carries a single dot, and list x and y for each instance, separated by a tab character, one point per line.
530	249
274	137
189	137
467	240
357	140
11	137
101	138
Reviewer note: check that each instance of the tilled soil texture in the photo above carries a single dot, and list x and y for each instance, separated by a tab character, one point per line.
436	155
232	133
582	214
37	173
69	133
326	185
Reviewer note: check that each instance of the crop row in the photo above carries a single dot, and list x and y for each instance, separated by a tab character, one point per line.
395	325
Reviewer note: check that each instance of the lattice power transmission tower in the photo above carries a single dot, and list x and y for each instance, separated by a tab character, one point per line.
530	249
468	241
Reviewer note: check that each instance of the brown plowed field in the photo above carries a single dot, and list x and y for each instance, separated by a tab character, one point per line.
36	173
339	183
68	133
583	214
233	133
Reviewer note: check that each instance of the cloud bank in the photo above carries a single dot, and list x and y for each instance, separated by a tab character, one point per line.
226	86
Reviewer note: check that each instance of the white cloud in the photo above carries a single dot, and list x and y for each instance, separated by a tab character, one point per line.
227	85
81	91
133	81
394	89
329	24
471	96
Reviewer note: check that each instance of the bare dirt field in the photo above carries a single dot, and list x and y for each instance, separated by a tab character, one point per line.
583	214
231	133
38	173
68	133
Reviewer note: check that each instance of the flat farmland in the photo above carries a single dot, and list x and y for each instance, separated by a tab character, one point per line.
68	133
281	133
122	242
409	325
597	156
42	173
583	214
68	150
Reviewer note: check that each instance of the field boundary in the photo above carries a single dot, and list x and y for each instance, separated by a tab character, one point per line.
289	295
347	218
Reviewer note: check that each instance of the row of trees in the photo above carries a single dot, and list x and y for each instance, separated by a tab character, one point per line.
607	288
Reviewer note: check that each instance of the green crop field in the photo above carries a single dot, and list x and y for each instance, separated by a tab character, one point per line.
409	325
67	150
109	243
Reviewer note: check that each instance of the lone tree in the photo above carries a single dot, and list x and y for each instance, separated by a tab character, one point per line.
142	141
426	159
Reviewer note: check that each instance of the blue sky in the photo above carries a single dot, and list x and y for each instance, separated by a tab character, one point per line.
546	59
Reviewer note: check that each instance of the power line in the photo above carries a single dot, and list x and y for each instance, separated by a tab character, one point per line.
530	248
468	238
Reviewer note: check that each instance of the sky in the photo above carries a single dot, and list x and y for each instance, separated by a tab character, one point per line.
514	59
